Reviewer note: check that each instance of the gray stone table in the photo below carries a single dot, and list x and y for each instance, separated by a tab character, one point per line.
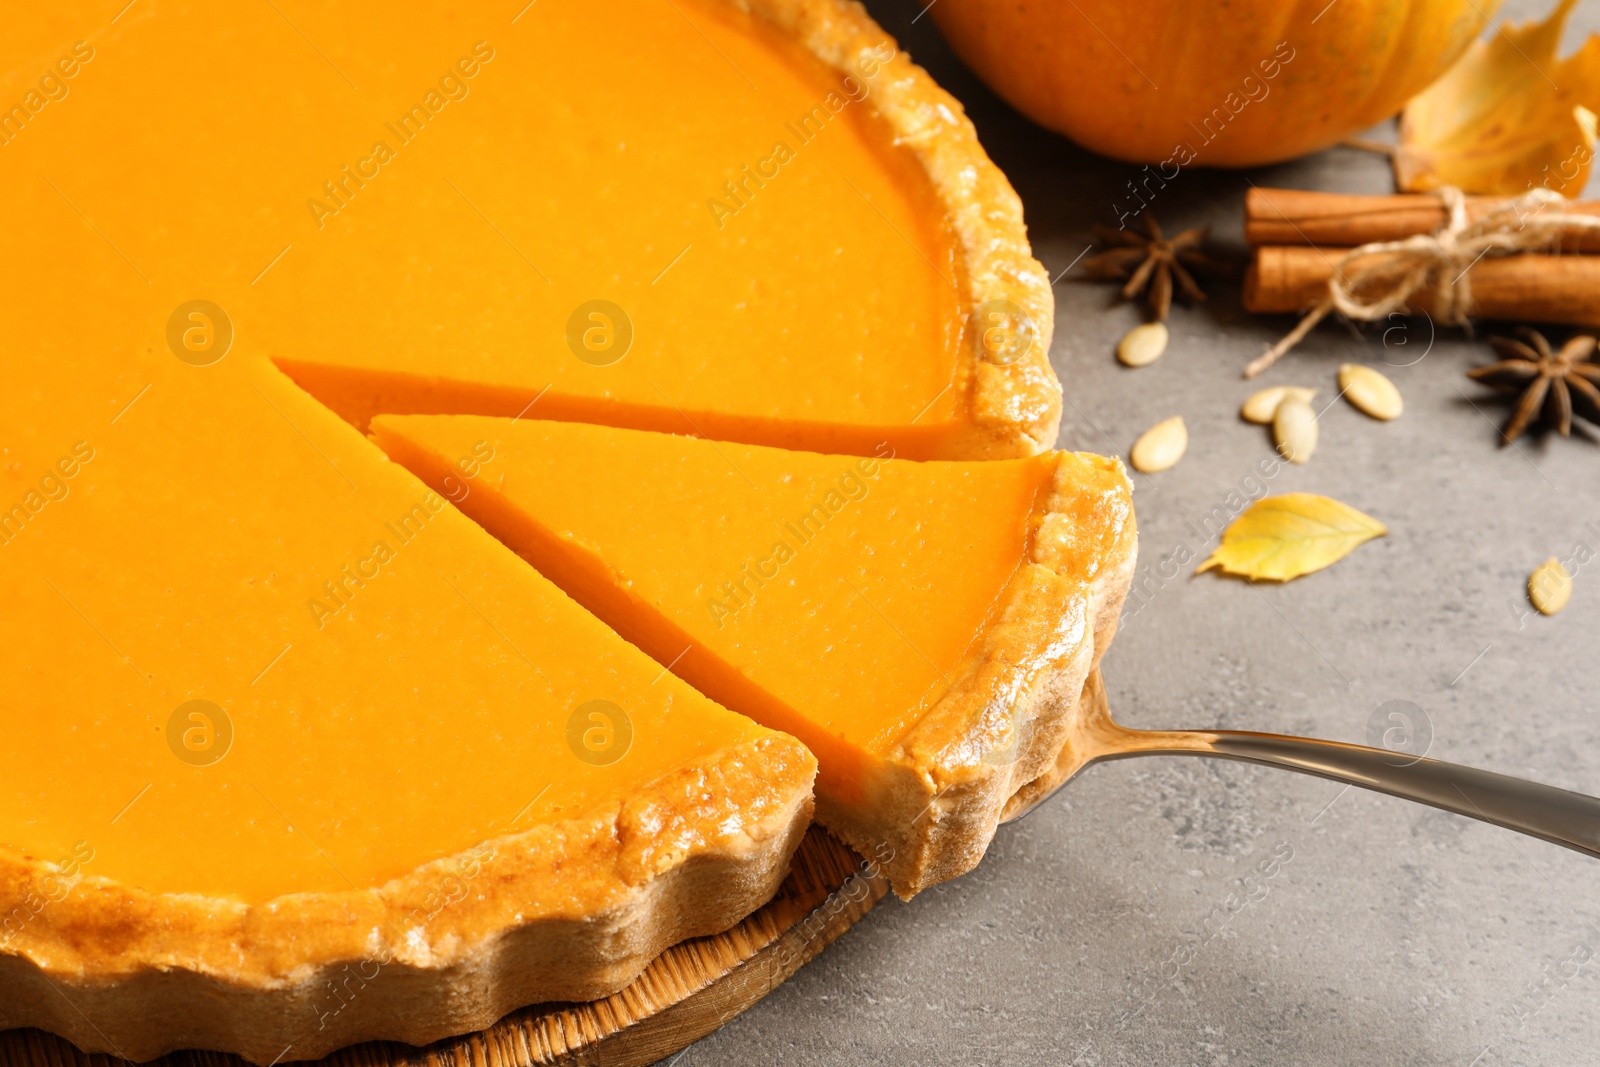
1387	933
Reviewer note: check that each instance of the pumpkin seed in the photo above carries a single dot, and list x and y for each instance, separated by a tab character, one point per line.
1370	392
1294	427
1161	446
1143	345
1550	586
1260	407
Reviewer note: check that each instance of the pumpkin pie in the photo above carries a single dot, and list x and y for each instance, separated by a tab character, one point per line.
307	757
924	627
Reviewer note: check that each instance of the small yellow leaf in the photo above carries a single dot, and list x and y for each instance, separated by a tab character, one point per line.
1508	117
1283	537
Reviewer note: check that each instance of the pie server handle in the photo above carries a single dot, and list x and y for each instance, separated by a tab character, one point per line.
1558	815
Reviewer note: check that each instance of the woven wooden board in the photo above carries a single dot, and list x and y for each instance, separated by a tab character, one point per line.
687	992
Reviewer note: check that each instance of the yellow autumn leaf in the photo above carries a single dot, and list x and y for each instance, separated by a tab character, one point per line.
1283	537
1508	117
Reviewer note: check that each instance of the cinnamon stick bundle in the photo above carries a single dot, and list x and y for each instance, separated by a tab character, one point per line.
1527	287
1344	220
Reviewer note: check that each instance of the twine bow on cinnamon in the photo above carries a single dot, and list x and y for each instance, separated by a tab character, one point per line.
1376	279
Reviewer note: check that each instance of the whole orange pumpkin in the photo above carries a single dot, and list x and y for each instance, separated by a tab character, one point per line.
1209	82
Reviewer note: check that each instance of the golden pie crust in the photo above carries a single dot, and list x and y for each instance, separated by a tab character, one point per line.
566	911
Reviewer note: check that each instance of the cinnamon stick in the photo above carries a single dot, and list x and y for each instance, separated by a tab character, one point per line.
1525	288
1299	217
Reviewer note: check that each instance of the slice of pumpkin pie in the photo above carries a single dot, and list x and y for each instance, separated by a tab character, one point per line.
924	627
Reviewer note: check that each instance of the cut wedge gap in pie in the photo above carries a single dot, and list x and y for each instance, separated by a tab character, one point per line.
924	627
765	227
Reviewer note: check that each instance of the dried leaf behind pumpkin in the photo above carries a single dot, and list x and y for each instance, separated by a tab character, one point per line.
1508	117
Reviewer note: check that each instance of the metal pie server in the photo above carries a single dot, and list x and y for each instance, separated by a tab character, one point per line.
1544	811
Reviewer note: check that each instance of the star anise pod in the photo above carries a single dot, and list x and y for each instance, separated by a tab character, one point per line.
1150	263
1558	382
